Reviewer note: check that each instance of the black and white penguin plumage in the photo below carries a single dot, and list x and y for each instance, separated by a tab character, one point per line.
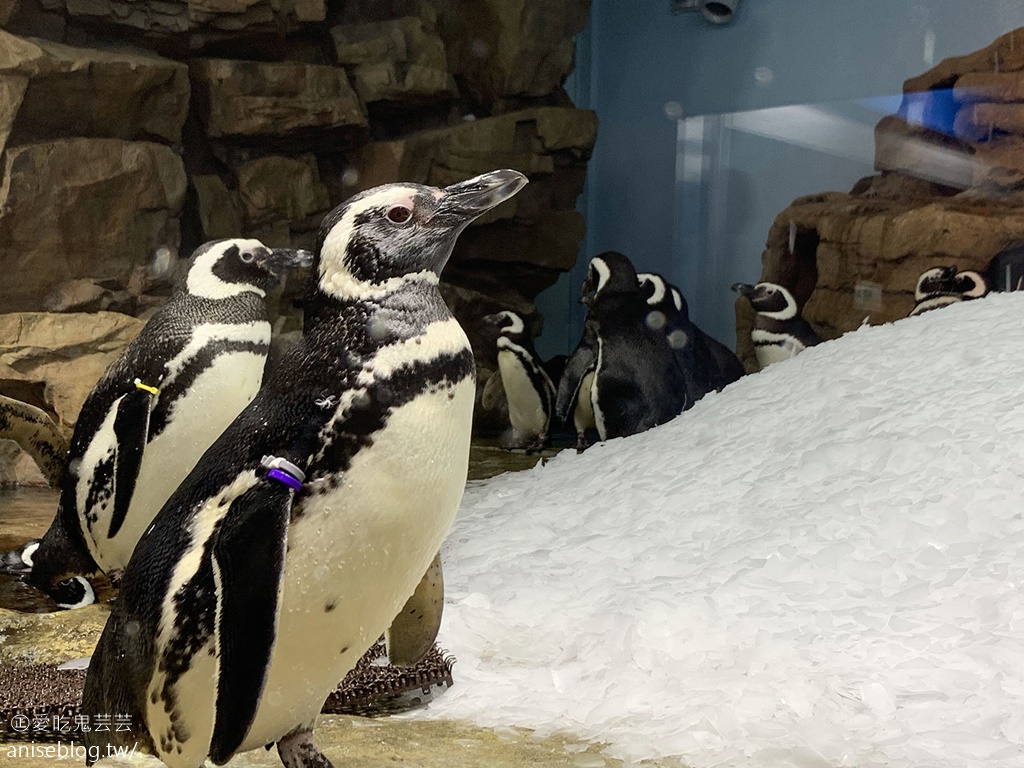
528	388
638	382
779	331
941	286
1005	271
307	525
708	364
193	367
575	385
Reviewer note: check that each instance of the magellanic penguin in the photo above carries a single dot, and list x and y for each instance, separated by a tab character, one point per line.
528	388
708	364
307	525
779	331
638	382
193	367
573	396
941	286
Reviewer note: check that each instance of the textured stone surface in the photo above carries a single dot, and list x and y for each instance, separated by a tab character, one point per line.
84	208
54	90
216	18
1005	54
506	49
220	210
281	189
403	60
248	98
64	355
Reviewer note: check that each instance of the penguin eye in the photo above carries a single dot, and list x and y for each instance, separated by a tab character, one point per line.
247	257
399	214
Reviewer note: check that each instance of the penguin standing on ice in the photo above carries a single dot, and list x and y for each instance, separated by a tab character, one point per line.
779	331
638	382
528	388
305	527
941	286
194	366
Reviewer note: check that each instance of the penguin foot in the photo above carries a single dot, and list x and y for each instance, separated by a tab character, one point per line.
299	750
581	443
537	445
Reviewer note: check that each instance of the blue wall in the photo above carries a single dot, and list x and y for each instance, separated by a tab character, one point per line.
636	57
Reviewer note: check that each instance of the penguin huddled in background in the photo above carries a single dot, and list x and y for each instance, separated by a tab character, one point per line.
573	399
305	527
528	388
638	382
941	286
1005	271
714	366
779	331
194	366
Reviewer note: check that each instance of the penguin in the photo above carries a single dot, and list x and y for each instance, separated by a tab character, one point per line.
708	364
528	388
941	286
194	366
638	382
303	529
1005	271
779	331
575	385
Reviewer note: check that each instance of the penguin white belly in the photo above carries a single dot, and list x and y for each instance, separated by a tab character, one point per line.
595	403
356	554
583	415
774	347
525	407
213	401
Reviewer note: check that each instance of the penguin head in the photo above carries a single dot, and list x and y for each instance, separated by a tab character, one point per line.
658	293
971	285
769	299
225	268
937	281
389	235
948	281
610	273
507	323
62	570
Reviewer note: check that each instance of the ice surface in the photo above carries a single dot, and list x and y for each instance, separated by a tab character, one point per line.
820	566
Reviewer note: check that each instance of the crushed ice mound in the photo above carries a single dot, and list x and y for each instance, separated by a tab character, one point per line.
820	566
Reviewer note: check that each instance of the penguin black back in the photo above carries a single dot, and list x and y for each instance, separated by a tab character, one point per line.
638	383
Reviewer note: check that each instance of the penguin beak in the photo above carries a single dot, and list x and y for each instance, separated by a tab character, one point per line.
279	260
461	203
743	289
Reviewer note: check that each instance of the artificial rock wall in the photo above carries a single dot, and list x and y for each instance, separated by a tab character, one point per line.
133	130
949	191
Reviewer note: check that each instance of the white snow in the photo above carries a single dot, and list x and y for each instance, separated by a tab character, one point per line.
820	566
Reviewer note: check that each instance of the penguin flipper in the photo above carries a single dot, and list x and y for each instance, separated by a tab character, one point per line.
131	430
413	631
582	361
248	559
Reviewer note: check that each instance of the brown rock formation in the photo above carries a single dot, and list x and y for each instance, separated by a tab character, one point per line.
84	208
241	99
60	357
947	195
